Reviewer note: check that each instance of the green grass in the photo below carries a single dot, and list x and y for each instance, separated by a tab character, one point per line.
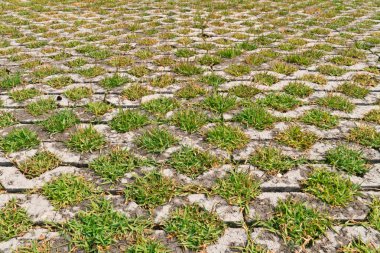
315	78
91	72
10	81
297	138
298	89
256	116
229	53
209	60
60	121
193	227
226	137
160	106
220	103
41	106
78	93
68	190
151	190
187	69
358	246
346	159
24	94
135	92
365	80
280	101
238	188
100	226
353	90
145	245
213	80
127	120
372	116
14	221
162	81
272	160
331	187
115	164
244	91
60	82
113	81
189	120
237	70
155	140
34	246
86	139
38	164
374	214
320	118
192	162
7	119
19	139
265	79
283	68
336	102
298	224
190	90
365	135
331	70
98	108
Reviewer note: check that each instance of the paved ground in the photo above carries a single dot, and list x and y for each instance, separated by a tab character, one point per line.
240	109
